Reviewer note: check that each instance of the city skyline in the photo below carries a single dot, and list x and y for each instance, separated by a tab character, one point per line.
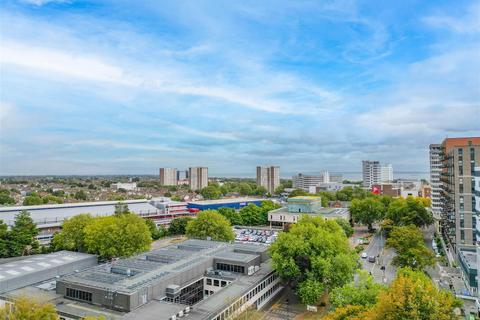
113	88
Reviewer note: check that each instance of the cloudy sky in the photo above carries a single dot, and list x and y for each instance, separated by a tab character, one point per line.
107	87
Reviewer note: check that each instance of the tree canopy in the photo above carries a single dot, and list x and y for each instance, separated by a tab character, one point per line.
117	236
26	308
178	225
367	211
72	235
211	192
410	248
404	212
210	223
412	295
345	224
232	215
362	292
314	256
22	236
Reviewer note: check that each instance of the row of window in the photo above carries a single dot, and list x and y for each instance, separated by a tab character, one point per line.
79	294
230	267
240	302
216	282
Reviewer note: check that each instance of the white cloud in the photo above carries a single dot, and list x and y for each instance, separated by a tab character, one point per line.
40	3
61	62
467	23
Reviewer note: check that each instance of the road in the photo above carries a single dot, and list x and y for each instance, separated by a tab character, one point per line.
383	256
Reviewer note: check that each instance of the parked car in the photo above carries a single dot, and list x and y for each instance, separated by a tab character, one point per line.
371	259
364	255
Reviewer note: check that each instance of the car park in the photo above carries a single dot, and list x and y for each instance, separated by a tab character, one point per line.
259	236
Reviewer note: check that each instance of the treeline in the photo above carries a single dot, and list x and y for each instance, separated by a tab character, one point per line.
21	239
121	235
244	188
5	196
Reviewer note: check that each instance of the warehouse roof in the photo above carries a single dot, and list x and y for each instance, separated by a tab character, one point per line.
52	213
224	201
37	268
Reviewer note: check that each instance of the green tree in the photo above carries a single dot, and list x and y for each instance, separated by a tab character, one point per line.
347	228
316	250
232	215
32	200
4	244
245	189
26	308
5	197
260	191
154	231
410	248
363	292
404	212
279	189
72	235
117	236
367	211
121	208
211	192
252	215
297	193
346	194
22	236
178	225
412	295
210	223
80	195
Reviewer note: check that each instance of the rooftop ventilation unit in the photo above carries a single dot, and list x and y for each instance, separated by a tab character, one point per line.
172	291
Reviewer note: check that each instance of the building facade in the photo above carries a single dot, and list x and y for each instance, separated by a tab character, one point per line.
435	172
460	157
168	176
268	177
371	173
386	173
197	178
304	182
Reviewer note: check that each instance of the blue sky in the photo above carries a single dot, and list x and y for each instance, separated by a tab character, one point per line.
109	87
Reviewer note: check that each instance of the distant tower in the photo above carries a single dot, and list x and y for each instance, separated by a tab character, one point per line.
268	177
197	178
168	176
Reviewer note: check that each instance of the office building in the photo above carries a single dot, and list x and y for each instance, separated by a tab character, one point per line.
386	173
197	178
371	173
199	278
304	182
129	186
436	184
304	205
168	176
269	178
460	157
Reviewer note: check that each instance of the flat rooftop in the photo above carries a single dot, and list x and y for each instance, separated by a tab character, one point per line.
469	257
304	199
51	213
37	268
127	275
224	201
324	212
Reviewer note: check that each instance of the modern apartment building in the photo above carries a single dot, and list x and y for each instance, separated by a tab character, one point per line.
386	173
371	173
268	177
435	172
168	176
197	178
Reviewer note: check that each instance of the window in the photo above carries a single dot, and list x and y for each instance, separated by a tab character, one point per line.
460	170
79	294
462	235
216	283
224	283
209	282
